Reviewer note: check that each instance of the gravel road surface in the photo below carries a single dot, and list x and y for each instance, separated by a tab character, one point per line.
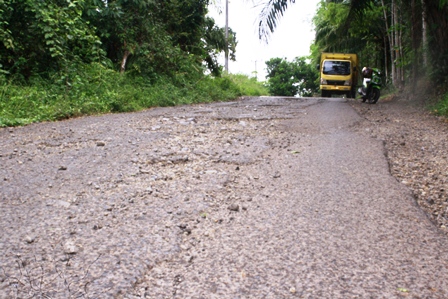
257	198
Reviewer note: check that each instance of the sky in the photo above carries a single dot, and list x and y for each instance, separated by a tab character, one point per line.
292	37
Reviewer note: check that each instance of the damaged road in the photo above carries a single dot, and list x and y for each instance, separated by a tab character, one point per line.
257	198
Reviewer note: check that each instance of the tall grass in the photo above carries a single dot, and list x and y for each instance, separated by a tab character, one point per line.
249	86
98	90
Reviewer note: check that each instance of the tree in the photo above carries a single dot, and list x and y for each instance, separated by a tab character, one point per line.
215	43
39	36
403	37
134	34
149	38
160	37
271	13
291	78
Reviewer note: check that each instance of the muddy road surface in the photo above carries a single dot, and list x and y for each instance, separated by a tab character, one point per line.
258	198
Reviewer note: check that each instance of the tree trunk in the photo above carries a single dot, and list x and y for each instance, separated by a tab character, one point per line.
424	34
123	61
400	47
396	37
415	46
386	60
390	39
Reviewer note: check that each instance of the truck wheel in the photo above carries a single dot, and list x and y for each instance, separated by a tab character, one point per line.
325	94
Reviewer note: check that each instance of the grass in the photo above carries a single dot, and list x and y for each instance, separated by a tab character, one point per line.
97	90
441	107
249	86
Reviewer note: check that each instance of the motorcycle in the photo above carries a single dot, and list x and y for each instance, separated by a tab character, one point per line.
370	91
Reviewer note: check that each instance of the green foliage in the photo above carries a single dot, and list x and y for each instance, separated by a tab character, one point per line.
271	13
155	37
281	78
215	43
364	35
438	40
61	59
387	34
249	86
441	108
291	78
151	38
5	33
184	20
42	37
97	89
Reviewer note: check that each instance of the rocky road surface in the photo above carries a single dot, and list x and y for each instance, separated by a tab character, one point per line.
416	144
257	198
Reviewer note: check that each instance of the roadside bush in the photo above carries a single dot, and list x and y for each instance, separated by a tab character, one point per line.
441	108
95	89
249	86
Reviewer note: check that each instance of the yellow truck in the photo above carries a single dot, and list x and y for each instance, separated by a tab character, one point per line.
338	74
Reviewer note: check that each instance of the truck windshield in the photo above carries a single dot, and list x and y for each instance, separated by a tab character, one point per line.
336	68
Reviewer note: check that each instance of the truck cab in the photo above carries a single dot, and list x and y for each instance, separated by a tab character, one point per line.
338	74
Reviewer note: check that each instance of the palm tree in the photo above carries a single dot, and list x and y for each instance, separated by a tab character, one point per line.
271	13
273	10
428	37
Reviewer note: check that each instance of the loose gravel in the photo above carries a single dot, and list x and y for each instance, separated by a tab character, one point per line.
416	144
258	198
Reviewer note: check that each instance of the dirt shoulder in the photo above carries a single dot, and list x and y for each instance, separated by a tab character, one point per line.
416	142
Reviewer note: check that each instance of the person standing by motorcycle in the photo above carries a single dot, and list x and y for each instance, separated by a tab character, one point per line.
371	77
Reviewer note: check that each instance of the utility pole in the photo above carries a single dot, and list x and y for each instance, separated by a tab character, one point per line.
227	38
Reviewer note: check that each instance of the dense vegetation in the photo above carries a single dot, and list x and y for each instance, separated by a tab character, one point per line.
64	58
291	78
408	40
101	90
